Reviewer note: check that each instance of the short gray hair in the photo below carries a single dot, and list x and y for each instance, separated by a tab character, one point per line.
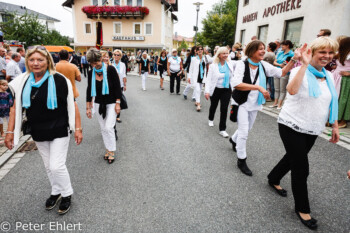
14	55
93	55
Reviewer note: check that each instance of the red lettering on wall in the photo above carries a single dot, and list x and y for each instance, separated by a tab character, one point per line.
278	7
273	10
265	13
283	7
292	5
250	17
288	4
299	4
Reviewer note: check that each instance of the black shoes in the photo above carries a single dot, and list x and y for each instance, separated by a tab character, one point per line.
178	94
185	97
64	205
242	165
311	223
281	192
115	132
52	201
233	145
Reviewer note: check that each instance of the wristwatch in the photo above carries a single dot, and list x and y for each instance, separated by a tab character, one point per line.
118	101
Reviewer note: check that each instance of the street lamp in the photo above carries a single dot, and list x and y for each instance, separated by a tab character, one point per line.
197	4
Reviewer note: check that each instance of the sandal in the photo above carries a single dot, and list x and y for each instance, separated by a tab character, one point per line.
106	155
111	157
198	108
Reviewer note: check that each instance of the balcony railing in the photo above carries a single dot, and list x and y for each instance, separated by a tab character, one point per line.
115	11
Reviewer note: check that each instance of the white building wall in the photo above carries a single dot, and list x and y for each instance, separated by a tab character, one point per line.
317	14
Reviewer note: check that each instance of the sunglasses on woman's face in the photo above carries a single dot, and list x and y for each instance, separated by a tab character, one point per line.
117	55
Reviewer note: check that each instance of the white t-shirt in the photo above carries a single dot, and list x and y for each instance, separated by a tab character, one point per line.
209	58
12	69
174	64
232	55
122	73
303	113
252	101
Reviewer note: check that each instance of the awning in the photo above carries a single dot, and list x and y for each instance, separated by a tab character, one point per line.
56	49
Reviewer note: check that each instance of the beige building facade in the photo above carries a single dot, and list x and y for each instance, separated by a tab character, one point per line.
123	26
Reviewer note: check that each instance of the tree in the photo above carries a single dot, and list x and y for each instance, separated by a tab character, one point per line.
220	24
27	28
183	45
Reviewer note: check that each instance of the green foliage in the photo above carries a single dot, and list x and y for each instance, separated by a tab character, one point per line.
219	25
183	45
27	28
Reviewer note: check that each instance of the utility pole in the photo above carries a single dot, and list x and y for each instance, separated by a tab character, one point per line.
197	4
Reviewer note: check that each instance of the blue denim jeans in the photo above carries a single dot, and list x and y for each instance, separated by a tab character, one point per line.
270	81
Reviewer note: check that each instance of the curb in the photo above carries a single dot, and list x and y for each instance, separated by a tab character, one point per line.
9	153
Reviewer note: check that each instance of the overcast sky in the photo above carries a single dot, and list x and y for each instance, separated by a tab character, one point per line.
53	8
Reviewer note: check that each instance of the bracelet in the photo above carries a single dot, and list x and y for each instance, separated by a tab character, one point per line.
295	61
9	132
118	101
88	108
76	129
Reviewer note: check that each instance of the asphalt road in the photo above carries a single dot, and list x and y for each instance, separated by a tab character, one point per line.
173	173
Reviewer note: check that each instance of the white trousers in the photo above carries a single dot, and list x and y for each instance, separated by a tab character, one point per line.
107	126
2	120
144	77
198	91
54	155
245	120
187	89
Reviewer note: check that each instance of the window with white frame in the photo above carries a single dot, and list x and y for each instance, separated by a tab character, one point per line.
87	28
116	2
242	38
129	2
139	2
137	28
293	30
148	29
117	28
262	33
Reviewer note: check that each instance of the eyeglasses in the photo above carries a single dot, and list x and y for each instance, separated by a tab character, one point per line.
200	49
118	55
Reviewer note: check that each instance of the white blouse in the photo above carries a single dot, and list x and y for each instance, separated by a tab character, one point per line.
303	113
270	71
122	73
174	64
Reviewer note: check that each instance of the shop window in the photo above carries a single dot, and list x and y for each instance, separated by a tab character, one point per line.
117	28
262	33
116	2
137	28
293	30
139	3
87	28
242	37
148	28
129	2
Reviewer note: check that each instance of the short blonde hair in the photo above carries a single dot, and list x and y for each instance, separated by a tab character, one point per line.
218	52
104	53
42	51
118	51
322	43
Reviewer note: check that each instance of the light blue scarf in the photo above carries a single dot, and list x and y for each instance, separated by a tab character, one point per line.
145	61
176	59
315	91
163	59
281	57
117	66
262	80
201	67
225	70
105	89
51	90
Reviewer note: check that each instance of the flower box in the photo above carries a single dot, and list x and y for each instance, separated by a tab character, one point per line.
115	11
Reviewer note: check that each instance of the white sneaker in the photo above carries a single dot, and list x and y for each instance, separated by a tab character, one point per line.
211	123
144	89
224	134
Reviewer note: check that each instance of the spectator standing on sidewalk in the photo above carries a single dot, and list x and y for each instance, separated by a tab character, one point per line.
312	100
2	63
22	63
51	114
12	68
270	57
69	70
84	65
6	102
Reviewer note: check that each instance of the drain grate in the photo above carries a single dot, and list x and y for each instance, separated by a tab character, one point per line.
28	146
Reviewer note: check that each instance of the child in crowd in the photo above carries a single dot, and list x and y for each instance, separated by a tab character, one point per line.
6	101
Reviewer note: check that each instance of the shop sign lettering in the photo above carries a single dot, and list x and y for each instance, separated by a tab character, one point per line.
250	17
284	6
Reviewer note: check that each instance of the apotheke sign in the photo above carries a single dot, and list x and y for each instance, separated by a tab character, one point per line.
279	8
134	38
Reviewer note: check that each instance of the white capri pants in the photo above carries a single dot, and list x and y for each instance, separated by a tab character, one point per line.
245	120
198	91
107	126
144	77
187	89
54	155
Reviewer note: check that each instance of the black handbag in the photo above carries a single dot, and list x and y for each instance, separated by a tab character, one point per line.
234	113
123	102
26	128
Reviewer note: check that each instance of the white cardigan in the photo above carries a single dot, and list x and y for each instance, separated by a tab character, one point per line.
213	76
18	84
194	71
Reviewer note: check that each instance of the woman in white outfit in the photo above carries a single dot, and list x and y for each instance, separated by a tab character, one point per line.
198	75
144	69
121	70
218	87
103	96
250	93
51	114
